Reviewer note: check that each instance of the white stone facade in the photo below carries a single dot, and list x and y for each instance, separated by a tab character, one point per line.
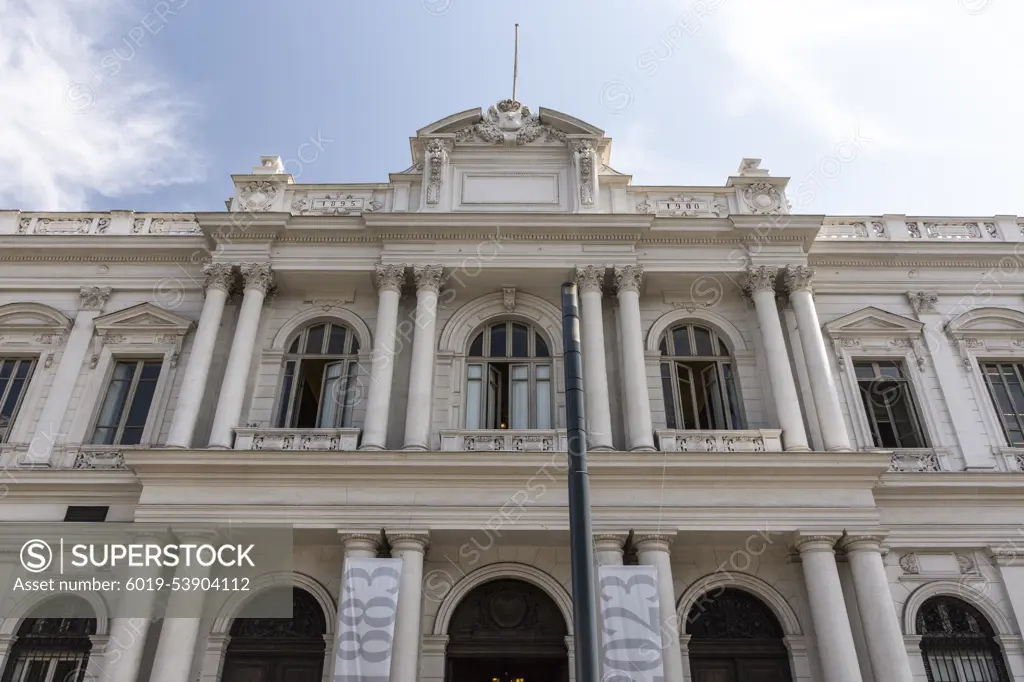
799	502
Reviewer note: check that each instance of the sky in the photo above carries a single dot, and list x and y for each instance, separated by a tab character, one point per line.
871	107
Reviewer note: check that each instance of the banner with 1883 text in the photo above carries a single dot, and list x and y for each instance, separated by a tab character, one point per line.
366	619
631	624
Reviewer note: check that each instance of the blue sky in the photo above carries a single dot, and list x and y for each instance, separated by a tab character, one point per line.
875	106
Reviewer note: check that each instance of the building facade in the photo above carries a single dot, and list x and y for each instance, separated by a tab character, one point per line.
812	426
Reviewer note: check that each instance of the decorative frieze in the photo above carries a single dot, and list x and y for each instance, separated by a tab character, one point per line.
915	461
389	277
98	460
504	440
628	278
753	440
297	439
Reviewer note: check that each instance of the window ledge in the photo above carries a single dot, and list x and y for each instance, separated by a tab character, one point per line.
297	439
917	459
505	440
748	440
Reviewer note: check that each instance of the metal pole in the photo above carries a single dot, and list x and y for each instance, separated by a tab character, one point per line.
580	536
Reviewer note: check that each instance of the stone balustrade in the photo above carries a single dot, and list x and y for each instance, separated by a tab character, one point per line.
505	440
750	440
296	439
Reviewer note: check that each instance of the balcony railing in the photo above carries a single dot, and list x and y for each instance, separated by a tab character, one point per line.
750	440
504	440
919	459
296	439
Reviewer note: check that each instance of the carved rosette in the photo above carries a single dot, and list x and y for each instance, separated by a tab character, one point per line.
923	302
257	276
908	562
628	278
218	276
584	154
762	198
257	196
93	298
437	150
760	278
389	277
798	278
428	277
589	278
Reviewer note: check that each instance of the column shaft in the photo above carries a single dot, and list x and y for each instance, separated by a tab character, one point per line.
638	402
193	385
828	610
886	649
180	632
760	286
258	281
389	279
410	549
823	385
421	372
653	550
589	280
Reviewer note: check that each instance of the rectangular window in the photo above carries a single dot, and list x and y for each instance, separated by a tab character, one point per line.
15	374
889	404
86	514
474	395
1005	383
125	407
543	397
501	395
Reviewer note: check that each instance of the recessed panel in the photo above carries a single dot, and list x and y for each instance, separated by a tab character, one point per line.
510	189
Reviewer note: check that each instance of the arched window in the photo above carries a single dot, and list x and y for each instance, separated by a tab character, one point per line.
698	378
957	643
52	649
320	375
508	378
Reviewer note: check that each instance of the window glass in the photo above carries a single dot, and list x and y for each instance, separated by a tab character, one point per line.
314	388
520	341
476	349
542	347
315	340
681	341
666	388
502	394
336	341
14	377
699	393
498	341
703	339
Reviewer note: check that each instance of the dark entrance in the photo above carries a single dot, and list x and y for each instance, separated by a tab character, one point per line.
507	631
278	649
734	637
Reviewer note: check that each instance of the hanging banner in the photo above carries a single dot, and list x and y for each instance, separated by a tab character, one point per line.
366	619
631	624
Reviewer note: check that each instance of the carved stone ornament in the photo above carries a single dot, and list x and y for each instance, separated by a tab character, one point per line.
762	198
645	206
798	278
509	122
99	460
879	230
428	277
257	276
584	154
93	298
628	278
908	562
965	563
760	278
258	196
389	277
589	278
509	298
923	302
218	276
732	614
915	230
437	150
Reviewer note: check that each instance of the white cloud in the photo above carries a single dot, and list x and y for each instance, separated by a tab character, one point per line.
78	117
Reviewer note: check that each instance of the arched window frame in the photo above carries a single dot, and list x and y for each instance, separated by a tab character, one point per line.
963	654
484	366
54	642
721	361
297	350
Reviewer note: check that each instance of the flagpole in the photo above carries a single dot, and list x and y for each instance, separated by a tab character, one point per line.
515	67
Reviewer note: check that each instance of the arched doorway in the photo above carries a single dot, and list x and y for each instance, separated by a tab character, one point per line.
53	649
958	643
277	649
735	637
507	631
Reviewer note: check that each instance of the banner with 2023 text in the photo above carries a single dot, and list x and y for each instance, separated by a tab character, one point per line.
631	624
366	619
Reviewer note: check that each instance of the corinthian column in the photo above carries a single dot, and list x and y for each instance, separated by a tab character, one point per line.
589	281
823	386
219	278
421	372
388	279
759	284
257	280
634	370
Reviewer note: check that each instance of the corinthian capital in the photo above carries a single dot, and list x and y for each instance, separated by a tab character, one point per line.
798	278
761	278
589	278
923	301
218	276
628	278
257	276
428	277
389	277
93	298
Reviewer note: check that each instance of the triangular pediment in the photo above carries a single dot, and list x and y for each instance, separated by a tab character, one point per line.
32	318
988	322
146	318
873	321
